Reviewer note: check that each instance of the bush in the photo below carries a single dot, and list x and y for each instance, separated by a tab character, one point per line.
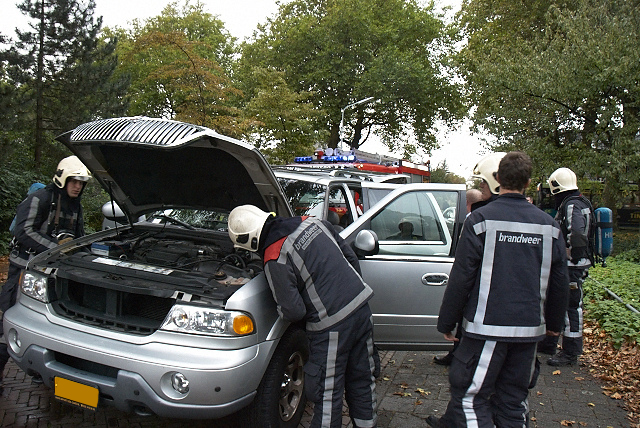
624	241
622	277
93	198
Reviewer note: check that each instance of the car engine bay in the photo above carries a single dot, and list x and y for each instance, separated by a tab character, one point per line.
131	280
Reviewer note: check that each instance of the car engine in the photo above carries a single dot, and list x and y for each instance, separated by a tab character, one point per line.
130	282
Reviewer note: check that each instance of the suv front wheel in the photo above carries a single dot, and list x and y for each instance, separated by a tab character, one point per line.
280	401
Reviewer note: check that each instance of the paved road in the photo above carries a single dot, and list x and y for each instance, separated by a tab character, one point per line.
411	387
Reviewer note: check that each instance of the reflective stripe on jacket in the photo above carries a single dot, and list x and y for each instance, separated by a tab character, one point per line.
509	278
35	226
313	274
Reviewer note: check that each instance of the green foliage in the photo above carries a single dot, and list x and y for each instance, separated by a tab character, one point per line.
558	79
93	197
441	174
344	51
621	277
625	242
283	126
179	65
61	72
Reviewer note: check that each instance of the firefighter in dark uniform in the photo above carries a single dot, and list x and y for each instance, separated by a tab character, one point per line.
576	218
510	285
485	171
315	277
46	218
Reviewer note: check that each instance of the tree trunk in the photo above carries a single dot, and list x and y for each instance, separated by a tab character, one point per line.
357	133
37	150
334	136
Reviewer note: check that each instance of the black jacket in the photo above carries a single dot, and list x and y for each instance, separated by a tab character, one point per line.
39	219
576	218
481	204
313	274
509	276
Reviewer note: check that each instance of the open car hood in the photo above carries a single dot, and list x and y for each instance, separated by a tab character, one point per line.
149	164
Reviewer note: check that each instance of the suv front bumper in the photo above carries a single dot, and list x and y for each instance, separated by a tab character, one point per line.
136	377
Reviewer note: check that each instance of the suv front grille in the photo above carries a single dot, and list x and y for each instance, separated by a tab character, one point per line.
110	309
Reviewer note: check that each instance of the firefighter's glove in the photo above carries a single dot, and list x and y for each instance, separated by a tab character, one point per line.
64	240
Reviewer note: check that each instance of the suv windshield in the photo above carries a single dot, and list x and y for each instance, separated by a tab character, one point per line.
192	219
304	198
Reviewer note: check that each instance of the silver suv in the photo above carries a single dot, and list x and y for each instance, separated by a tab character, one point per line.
163	316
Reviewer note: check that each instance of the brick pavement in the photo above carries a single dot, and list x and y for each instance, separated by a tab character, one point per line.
410	388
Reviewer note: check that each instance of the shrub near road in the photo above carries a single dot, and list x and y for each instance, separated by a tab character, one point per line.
612	329
622	278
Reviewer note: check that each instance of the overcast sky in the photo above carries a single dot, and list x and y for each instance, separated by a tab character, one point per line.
460	148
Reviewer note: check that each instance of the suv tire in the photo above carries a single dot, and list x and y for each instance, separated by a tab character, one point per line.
280	400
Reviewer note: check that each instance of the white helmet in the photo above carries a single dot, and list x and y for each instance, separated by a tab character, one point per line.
245	226
70	167
561	180
487	168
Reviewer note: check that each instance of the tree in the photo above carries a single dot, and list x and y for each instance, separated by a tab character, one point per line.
61	70
283	127
179	64
342	51
441	174
560	81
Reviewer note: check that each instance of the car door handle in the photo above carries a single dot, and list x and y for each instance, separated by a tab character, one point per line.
438	279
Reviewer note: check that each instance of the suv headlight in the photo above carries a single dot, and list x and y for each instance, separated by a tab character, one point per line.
35	286
207	321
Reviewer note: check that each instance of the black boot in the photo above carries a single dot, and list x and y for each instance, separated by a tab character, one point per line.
443	360
434	422
562	359
546	349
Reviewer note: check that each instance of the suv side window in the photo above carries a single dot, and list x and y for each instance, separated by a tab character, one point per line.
414	224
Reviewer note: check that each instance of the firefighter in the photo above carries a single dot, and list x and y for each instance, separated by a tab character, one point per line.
576	218
485	170
48	217
315	278
509	284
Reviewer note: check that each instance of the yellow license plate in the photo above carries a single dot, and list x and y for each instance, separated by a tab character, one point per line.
76	393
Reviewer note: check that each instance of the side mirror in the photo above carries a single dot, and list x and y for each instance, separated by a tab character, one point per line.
112	211
366	243
113	216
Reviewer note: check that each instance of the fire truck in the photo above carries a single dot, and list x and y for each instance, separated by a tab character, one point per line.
357	160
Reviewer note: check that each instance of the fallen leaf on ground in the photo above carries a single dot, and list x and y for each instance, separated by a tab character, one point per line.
422	392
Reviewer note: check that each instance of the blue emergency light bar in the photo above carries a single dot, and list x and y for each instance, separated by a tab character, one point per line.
339	158
303	159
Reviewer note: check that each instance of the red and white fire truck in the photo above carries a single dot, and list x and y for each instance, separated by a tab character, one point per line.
366	162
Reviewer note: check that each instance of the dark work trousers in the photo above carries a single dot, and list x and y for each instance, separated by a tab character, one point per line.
341	363
572	333
7	300
489	384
